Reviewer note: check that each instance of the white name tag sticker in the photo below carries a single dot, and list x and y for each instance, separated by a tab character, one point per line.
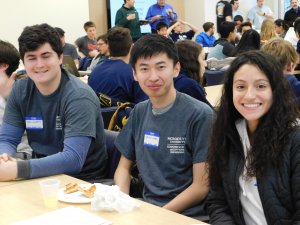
34	123
151	139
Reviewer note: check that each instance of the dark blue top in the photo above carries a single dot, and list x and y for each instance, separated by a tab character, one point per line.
114	78
182	36
295	84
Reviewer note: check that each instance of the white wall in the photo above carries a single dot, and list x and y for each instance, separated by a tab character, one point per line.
198	12
70	15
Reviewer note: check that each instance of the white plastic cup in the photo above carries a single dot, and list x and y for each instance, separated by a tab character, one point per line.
50	189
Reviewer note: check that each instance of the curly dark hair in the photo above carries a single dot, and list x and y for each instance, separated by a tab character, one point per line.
35	36
188	53
273	130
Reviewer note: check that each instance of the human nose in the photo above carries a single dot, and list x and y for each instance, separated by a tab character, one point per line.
153	76
250	94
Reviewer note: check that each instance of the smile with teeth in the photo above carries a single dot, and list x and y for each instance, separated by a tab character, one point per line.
251	105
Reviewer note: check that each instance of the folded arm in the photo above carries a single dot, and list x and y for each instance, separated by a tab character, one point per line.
122	175
194	194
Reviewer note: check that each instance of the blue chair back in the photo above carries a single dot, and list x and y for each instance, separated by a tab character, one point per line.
214	77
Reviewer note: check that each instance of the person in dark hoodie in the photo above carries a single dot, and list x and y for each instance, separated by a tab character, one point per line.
223	46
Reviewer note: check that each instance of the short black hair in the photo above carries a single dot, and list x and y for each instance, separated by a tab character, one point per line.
246	24
9	55
151	45
238	18
35	36
160	25
226	28
232	1
60	31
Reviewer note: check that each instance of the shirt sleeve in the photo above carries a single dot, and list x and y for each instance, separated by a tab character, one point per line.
69	161
10	137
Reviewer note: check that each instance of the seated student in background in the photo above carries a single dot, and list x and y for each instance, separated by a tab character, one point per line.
287	58
223	46
162	29
281	27
297	32
175	30
267	31
103	51
207	38
192	68
245	26
291	34
254	157
166	135
68	49
61	116
114	76
87	45
9	62
249	41
238	19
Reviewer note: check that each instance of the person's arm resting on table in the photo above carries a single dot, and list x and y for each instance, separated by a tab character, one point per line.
122	175
69	161
193	194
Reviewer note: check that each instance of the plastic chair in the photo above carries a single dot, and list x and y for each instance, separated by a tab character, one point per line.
214	77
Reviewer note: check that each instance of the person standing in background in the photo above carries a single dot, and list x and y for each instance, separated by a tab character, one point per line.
223	12
235	6
128	17
160	12
259	13
291	15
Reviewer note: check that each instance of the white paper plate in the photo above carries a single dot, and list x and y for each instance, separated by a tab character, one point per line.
75	197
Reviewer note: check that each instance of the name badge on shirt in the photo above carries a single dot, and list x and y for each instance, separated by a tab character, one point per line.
34	123
151	139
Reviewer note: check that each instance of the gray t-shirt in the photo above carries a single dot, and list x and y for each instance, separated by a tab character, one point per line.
85	45
166	146
70	49
72	110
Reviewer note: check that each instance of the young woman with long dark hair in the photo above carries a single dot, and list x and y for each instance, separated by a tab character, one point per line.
254	157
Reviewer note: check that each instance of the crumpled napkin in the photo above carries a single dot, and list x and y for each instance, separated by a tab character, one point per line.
110	198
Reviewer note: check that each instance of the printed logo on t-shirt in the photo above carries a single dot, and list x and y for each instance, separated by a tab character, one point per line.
176	145
151	139
34	123
58	125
